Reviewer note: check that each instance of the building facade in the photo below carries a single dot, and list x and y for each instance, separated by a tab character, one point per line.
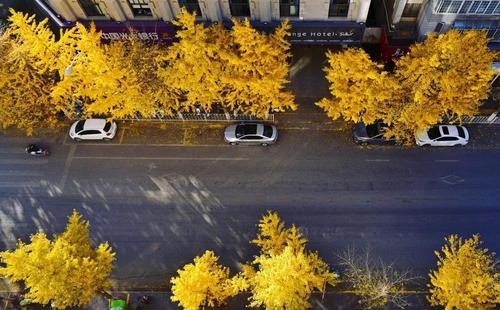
443	15
414	19
313	21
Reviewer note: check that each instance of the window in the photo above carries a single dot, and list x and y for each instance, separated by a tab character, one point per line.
497	10
444	6
90	132
491	7
461	132
433	133
239	7
468	7
79	126
268	131
474	6
242	130
455	6
411	10
482	7
140	7
192	6
465	7
289	8
338	8
447	139
91	7
107	126
252	138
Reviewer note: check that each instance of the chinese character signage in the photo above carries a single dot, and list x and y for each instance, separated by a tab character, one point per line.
156	31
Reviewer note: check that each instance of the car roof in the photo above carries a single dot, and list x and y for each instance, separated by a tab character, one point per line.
94	123
448	130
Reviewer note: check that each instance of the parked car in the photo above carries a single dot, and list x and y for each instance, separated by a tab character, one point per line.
371	134
443	135
93	129
250	133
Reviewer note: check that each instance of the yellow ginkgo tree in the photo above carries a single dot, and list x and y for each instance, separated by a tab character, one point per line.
446	76
257	70
467	277
25	101
190	69
64	272
284	274
360	92
109	79
104	78
204	283
443	78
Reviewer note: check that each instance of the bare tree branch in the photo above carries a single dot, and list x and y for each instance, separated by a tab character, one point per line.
376	283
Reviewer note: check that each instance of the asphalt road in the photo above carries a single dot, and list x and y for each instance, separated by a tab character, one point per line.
159	206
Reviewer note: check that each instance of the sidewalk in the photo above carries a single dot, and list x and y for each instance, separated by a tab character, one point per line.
161	301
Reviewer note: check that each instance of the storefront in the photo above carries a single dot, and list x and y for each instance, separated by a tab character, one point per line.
313	33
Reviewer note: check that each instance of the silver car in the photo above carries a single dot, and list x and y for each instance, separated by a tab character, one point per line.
250	133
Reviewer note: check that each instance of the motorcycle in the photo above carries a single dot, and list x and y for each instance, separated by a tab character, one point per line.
35	150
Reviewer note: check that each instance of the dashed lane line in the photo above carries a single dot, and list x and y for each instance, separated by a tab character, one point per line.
378	160
67	165
148	144
164	158
446	160
11	184
28	161
20	173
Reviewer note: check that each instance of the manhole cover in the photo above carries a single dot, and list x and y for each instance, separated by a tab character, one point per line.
452	179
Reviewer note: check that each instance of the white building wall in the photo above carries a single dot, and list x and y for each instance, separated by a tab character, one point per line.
363	7
212	10
164	9
64	9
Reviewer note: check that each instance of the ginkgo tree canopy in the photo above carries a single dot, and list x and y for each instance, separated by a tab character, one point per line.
445	77
467	277
64	272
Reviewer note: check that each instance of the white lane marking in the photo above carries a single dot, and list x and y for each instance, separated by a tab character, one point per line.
20	173
145	145
19	184
12	151
161	158
67	164
378	160
33	160
446	160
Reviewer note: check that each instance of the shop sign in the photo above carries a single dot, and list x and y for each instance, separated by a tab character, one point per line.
325	35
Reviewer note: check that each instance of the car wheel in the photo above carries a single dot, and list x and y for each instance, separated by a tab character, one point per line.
77	139
363	144
234	143
264	144
106	139
426	145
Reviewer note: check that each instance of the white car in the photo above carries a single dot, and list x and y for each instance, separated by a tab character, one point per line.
93	129
443	135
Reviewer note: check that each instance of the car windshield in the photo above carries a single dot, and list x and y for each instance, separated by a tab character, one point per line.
243	130
461	132
79	126
433	133
372	130
268	131
445	131
107	127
